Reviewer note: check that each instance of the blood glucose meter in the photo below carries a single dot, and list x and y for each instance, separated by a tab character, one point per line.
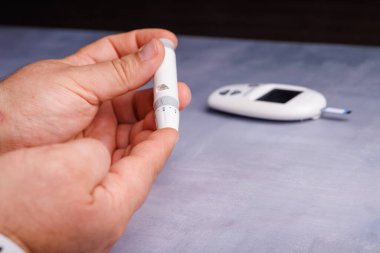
272	101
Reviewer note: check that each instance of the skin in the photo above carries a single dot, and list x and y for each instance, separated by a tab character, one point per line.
79	146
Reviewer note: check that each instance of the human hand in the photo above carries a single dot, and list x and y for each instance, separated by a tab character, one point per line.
79	196
71	198
52	101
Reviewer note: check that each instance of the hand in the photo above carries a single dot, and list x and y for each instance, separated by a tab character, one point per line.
56	100
78	196
70	198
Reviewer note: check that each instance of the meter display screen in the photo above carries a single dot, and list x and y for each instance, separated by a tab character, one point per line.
279	96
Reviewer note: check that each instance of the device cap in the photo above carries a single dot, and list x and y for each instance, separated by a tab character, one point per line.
167	116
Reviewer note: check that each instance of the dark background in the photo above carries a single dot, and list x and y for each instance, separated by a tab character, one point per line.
334	21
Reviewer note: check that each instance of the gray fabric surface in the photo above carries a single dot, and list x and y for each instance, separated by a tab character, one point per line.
236	184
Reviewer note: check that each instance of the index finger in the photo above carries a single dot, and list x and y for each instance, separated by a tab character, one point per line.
117	46
135	105
131	178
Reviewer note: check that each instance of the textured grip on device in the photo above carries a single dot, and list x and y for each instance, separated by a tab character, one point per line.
165	100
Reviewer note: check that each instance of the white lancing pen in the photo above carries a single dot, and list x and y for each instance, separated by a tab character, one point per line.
165	90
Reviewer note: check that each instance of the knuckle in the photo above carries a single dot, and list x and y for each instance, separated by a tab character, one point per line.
125	70
41	67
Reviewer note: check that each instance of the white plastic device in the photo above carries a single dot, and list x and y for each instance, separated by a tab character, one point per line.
272	101
165	90
8	246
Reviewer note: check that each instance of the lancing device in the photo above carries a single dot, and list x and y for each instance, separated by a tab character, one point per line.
165	90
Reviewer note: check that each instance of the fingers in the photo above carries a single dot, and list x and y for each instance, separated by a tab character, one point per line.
104	126
122	135
148	124
117	46
103	81
126	132
134	106
131	177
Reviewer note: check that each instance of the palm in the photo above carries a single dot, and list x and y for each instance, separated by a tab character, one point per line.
119	132
55	105
59	100
56	112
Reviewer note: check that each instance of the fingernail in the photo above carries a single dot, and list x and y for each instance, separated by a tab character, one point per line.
149	51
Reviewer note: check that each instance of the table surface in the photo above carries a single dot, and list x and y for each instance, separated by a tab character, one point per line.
236	184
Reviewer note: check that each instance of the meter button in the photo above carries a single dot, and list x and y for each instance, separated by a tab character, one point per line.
224	92
235	92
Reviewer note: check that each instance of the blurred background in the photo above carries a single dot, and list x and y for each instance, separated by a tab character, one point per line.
333	21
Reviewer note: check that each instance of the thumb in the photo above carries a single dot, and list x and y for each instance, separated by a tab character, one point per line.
105	80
